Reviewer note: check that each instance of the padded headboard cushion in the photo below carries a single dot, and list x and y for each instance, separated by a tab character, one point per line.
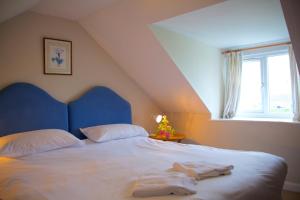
98	106
25	107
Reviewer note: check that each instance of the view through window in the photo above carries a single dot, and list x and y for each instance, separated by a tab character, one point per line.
266	85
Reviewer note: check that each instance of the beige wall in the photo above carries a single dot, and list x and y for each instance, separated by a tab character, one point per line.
21	59
199	63
279	138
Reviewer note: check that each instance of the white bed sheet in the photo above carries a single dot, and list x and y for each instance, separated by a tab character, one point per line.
104	171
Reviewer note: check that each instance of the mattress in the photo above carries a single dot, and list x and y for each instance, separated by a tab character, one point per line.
106	171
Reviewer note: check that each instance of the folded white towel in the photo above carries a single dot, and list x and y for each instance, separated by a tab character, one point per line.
160	184
202	170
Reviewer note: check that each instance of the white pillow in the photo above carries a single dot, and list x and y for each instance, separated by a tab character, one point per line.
109	132
30	142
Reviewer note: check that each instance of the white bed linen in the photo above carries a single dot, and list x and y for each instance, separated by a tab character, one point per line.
164	183
104	171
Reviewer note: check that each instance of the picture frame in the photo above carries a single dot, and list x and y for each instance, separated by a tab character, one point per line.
57	56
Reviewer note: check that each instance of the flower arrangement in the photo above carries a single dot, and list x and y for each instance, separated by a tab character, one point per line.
164	129
58	56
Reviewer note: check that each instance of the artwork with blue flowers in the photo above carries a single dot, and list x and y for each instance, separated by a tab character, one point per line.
57	56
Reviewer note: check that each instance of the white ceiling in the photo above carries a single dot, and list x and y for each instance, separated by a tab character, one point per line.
233	23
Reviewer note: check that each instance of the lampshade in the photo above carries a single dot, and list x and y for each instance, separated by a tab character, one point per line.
158	118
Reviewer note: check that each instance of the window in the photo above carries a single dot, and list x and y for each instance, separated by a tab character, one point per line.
266	85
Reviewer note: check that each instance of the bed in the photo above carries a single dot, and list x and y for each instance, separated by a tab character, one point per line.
106	170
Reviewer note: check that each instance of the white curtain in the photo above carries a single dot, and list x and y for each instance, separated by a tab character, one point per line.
295	84
233	73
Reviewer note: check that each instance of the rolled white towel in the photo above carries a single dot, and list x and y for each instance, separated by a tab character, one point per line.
202	170
161	184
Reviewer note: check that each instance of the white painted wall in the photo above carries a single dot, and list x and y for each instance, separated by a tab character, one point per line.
199	63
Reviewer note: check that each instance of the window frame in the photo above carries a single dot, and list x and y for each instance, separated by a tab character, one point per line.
262	56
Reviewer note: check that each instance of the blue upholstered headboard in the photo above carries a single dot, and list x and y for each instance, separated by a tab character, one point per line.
98	106
25	107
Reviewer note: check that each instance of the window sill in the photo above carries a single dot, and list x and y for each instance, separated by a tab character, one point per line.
286	120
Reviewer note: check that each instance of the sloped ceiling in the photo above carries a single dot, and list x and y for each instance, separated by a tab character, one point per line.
123	31
71	9
11	8
121	28
292	15
68	9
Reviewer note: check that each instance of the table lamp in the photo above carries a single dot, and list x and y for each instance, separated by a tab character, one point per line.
164	129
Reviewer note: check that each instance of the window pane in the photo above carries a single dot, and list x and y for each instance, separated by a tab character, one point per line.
251	96
280	99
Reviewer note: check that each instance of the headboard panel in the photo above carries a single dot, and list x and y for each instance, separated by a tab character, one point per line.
25	107
98	106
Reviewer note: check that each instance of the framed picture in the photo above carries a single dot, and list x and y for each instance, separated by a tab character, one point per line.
57	56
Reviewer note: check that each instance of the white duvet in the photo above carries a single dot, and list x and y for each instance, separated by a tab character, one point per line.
105	171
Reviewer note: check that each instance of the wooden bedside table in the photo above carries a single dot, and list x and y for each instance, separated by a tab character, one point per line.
175	138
